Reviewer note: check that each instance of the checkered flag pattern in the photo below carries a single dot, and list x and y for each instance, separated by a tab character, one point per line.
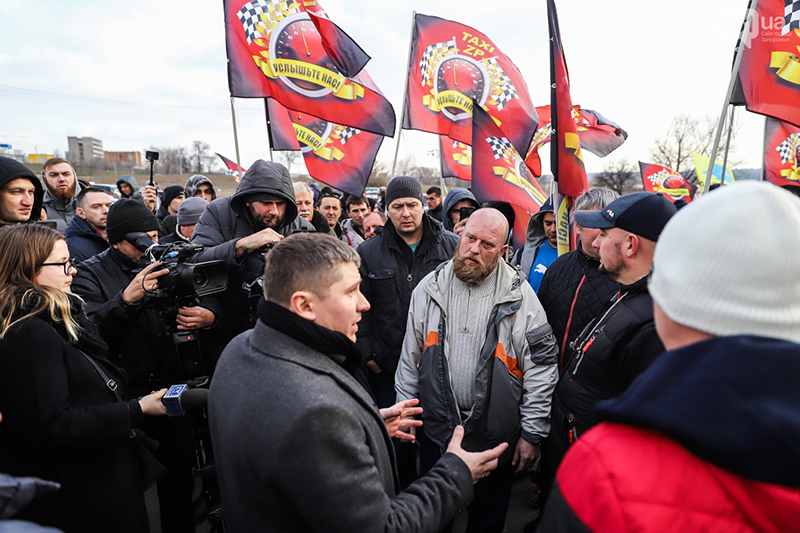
430	56
502	82
788	148
250	15
658	177
791	16
346	133
500	147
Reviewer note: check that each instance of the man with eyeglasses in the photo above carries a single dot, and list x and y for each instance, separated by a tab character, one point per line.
393	262
21	194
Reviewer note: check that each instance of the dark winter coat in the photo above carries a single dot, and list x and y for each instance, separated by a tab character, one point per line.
387	283
618	348
300	446
452	198
83	239
573	291
525	256
62	423
137	339
225	221
704	440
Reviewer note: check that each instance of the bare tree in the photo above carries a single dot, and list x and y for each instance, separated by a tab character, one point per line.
199	157
287	158
689	134
619	175
379	177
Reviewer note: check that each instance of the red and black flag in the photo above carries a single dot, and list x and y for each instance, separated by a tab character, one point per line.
781	153
276	50
566	161
233	168
769	75
498	171
338	155
661	179
597	134
451	66
456	159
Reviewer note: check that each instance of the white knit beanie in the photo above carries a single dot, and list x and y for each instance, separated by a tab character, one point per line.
729	263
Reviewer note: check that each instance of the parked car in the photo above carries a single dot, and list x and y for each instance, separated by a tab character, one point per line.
110	188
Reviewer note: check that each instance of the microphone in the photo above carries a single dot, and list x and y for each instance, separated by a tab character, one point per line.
180	399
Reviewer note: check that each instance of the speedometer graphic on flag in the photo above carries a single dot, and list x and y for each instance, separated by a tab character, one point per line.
296	39
458	76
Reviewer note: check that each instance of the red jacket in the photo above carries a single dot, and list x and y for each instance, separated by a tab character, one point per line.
706	440
620	478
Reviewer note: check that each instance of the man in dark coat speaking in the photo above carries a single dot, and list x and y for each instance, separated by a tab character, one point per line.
299	442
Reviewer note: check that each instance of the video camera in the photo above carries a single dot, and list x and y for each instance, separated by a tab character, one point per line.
185	280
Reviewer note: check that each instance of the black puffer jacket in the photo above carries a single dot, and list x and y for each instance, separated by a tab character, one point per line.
573	291
620	346
225	221
387	283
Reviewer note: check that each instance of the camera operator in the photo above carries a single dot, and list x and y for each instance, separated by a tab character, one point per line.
238	228
138	340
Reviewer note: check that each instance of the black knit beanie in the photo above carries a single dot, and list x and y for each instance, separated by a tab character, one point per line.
171	192
403	187
129	216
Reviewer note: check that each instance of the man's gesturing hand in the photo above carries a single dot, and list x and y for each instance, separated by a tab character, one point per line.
400	417
481	463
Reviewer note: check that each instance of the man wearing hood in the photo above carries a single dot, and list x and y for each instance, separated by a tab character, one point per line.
706	438
453	202
201	186
239	229
128	188
62	189
21	193
541	246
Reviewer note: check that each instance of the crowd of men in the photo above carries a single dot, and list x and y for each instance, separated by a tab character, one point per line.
382	366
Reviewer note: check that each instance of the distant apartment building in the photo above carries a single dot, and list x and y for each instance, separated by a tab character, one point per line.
125	159
84	149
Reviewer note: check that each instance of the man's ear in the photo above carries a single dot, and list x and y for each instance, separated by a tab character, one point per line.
302	303
632	245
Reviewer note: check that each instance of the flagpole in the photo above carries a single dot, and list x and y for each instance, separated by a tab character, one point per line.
236	141
764	151
269	128
727	148
405	92
734	75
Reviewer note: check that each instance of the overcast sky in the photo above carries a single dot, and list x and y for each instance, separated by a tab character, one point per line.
153	72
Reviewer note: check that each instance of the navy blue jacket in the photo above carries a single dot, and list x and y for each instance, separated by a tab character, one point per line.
83	240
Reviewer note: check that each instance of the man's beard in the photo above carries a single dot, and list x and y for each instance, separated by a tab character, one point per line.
612	273
65	195
472	275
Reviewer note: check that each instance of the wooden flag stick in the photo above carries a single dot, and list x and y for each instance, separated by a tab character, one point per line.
734	75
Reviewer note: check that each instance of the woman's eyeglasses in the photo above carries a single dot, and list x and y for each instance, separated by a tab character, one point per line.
67	265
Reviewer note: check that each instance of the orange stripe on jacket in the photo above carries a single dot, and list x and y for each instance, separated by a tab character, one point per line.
511	363
433	338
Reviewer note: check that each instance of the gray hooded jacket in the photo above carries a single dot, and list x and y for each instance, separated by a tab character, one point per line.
58	210
452	198
194	182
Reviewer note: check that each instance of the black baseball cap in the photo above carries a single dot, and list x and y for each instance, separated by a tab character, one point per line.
643	213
